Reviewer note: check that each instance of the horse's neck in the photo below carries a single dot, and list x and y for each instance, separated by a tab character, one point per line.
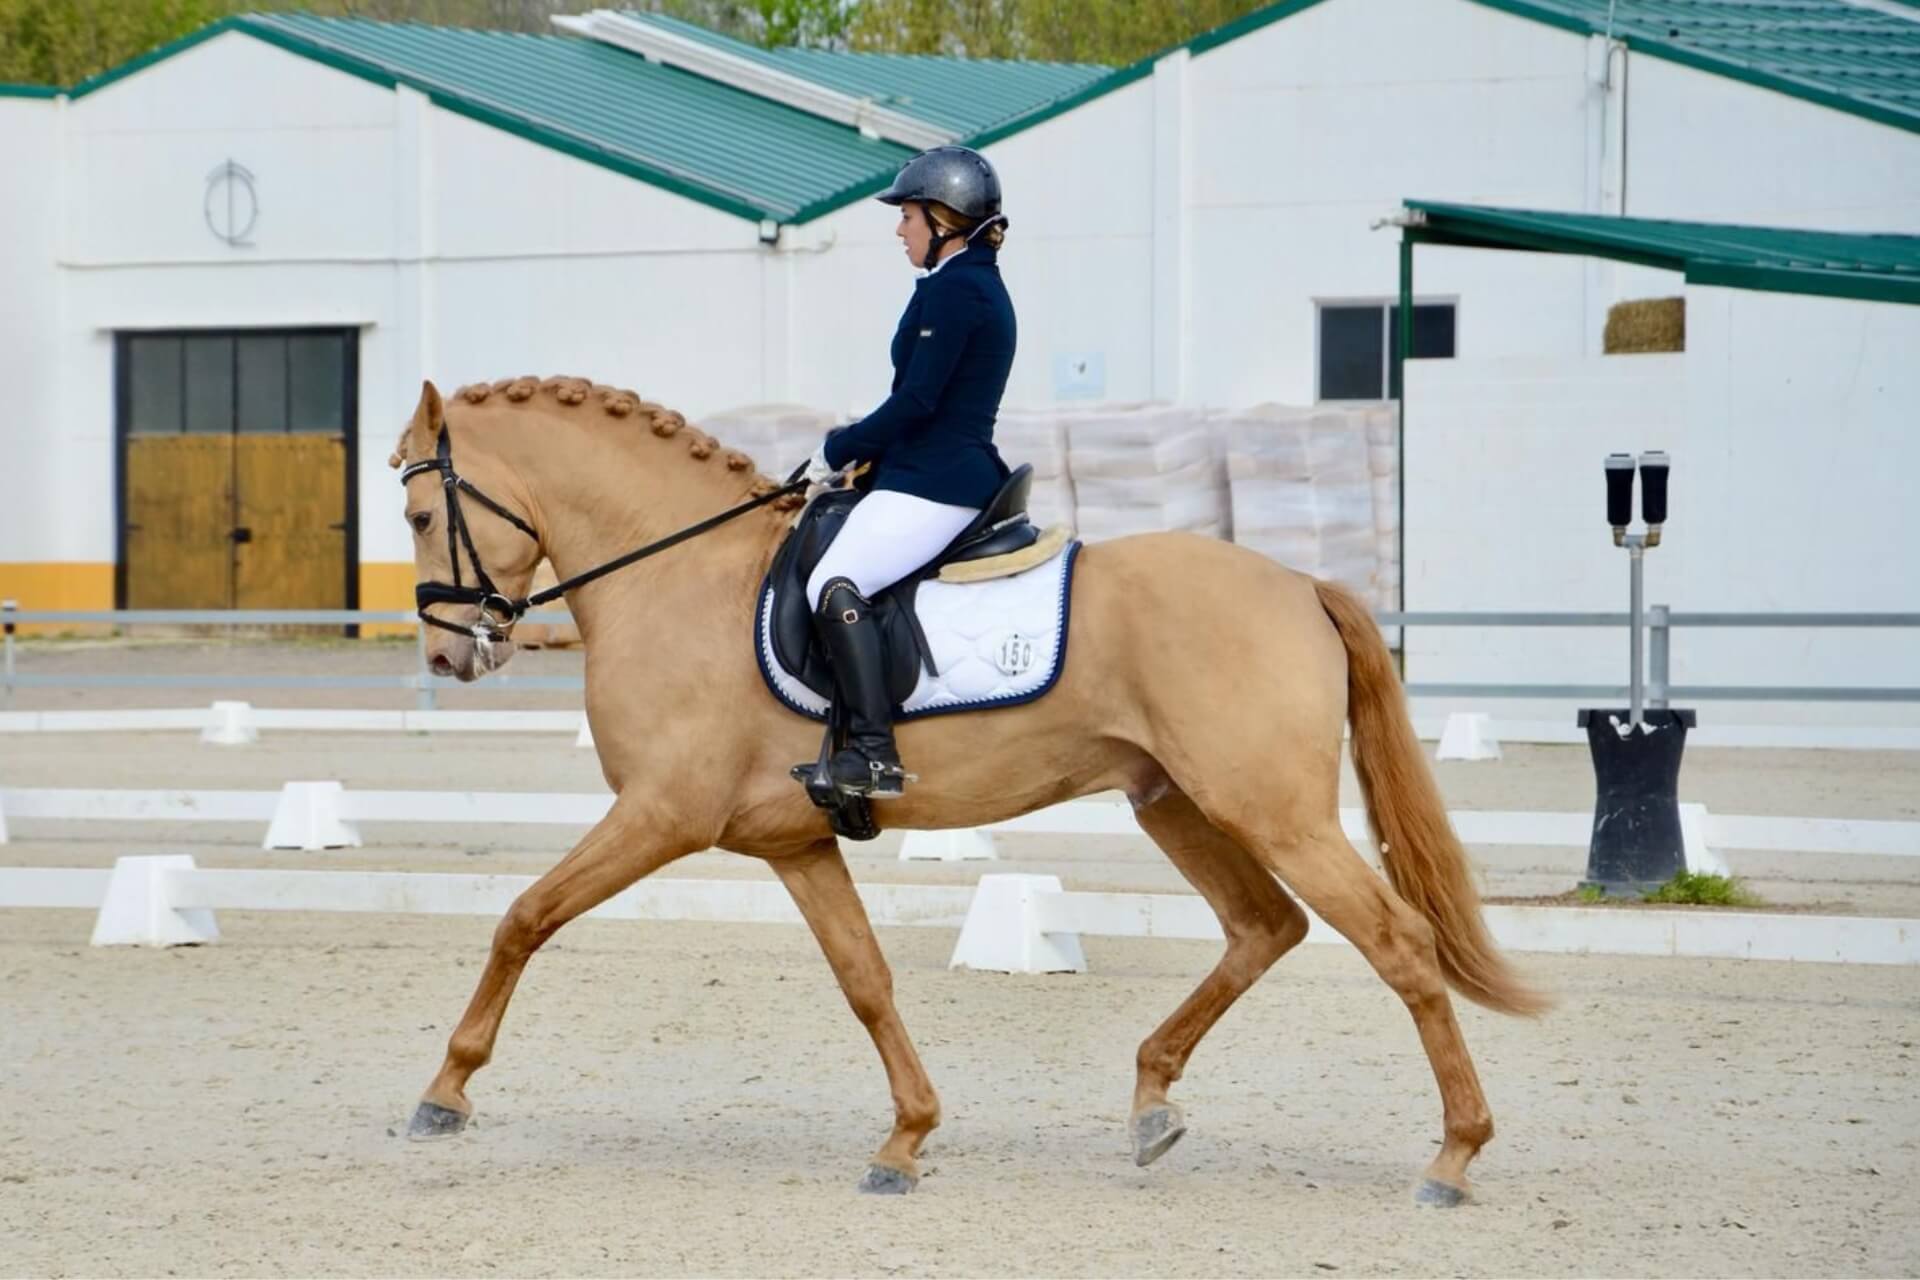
611	497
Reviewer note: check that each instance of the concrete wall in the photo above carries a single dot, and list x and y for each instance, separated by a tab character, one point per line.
1309	130
460	252
1790	424
40	557
1719	150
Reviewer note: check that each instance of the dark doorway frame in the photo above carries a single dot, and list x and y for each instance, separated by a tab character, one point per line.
349	336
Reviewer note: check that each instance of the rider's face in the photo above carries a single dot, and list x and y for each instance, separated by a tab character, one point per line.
914	231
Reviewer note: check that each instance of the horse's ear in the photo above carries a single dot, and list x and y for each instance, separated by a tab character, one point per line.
422	435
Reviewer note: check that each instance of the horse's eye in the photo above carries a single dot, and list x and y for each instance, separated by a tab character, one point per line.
420	520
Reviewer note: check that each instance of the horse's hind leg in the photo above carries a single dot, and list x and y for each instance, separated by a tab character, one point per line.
618	851
1261	923
1331	878
824	892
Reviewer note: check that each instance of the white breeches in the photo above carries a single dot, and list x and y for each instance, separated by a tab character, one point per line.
887	536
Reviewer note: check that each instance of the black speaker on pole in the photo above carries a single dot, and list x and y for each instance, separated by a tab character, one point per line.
1637	842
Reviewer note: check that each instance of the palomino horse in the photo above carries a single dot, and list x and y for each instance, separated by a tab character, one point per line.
1207	682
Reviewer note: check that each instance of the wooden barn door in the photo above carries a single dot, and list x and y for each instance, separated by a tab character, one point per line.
236	478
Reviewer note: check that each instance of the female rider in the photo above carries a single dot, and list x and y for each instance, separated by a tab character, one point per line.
930	443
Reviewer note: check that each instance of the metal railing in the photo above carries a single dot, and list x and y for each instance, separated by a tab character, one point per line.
1662	622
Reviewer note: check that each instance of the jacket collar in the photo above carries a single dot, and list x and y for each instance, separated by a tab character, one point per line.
974	255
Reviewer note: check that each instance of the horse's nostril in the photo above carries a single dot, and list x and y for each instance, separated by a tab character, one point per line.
441	665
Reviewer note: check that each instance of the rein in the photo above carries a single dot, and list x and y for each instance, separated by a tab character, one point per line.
498	611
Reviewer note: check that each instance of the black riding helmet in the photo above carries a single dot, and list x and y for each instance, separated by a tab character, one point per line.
957	177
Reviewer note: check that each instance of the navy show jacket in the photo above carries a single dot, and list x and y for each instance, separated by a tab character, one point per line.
933	437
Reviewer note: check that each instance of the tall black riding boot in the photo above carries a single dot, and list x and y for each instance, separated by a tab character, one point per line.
869	765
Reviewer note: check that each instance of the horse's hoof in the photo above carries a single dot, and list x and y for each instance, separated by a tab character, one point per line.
432	1121
884	1181
1438	1195
1155	1130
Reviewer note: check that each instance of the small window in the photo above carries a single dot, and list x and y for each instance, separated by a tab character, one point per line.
153	385
317	383
262	363
261	382
209	385
1358	342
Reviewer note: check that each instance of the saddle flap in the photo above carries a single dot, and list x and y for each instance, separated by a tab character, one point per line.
790	629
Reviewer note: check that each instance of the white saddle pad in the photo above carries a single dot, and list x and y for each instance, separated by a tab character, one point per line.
997	643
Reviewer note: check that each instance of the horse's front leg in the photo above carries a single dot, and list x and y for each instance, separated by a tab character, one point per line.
629	843
824	892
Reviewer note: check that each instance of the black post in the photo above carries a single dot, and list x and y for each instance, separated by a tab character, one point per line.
1636	843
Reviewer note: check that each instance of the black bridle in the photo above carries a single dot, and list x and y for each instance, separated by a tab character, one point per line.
499	611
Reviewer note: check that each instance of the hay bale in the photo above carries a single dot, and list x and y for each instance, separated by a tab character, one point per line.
1648	324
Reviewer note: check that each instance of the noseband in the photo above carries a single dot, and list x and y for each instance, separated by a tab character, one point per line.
499	611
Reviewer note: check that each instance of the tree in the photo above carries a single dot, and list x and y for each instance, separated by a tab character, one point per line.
62	42
1109	31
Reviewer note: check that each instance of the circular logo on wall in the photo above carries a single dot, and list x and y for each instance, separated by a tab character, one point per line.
231	205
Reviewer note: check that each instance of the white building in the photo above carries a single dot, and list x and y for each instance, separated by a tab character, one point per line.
308	216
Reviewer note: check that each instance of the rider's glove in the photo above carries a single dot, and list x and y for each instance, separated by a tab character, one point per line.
818	472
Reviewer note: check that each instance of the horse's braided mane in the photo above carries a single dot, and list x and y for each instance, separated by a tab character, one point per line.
616	403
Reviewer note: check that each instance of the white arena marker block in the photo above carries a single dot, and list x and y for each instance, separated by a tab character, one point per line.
1700	857
1468	735
1002	930
231	724
964	845
308	817
136	913
586	734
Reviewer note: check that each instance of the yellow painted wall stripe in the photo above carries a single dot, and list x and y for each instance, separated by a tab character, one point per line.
57	584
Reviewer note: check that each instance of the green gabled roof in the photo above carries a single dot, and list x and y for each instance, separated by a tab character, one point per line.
759	159
965	96
1847	56
720	146
1837	264
29	91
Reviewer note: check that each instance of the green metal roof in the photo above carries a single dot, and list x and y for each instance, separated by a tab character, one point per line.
966	96
1843	55
1837	264
29	91
720	146
759	159
1847	56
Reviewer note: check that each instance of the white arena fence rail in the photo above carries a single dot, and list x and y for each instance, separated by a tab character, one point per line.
1007	923
327	815
1662	620
1462	735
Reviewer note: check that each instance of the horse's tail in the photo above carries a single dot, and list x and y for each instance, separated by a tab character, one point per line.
1424	859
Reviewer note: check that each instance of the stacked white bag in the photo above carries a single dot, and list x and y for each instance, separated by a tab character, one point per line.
1314	489
778	437
1143	468
1039	437
1383	462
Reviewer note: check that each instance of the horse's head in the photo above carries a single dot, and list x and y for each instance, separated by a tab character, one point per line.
474	554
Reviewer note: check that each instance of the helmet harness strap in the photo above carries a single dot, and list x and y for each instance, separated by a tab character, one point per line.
941	237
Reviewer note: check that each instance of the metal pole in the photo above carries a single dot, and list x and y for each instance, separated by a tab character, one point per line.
8	607
1400	435
1659	679
1636	552
426	698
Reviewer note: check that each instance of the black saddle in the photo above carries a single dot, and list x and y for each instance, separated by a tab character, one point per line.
1000	528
